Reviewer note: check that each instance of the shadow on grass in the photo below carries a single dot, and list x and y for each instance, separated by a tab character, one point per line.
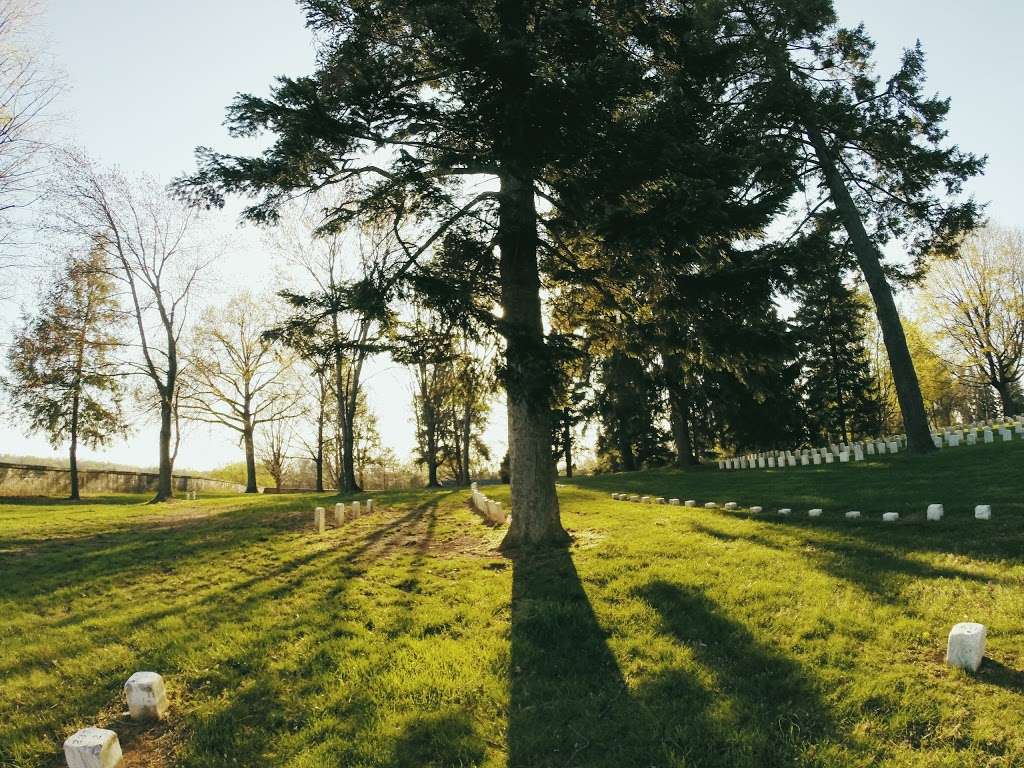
996	673
752	706
743	704
569	704
440	740
878	566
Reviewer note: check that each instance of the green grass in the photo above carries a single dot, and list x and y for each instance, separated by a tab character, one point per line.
664	636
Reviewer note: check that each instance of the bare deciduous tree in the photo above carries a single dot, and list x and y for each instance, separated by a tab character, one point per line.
977	301
150	241
28	87
273	450
241	380
336	316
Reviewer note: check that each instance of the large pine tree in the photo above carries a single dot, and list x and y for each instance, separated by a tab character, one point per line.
411	104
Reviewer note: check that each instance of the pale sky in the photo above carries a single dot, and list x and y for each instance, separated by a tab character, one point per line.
149	81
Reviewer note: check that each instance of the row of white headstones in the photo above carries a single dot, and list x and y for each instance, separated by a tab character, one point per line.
342	514
489	508
965	647
951	437
934	512
99	747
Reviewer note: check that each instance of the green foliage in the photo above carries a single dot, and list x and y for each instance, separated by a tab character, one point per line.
236	473
837	386
64	379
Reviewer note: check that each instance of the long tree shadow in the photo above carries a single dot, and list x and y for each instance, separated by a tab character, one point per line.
746	704
880	568
569	703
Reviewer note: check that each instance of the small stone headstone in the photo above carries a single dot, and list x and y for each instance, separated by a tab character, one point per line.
987	435
785	511
756	510
645	499
319	519
853	515
711	505
146	695
983	512
814	512
356	509
369	506
828	458
891	517
691	503
660	500
674	502
93	748
966	646
730	505
634	497
844	457
934	512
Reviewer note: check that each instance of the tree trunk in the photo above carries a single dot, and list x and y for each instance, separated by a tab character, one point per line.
679	411
348	458
1006	399
908	390
250	457
567	446
535	515
164	487
467	432
430	435
73	450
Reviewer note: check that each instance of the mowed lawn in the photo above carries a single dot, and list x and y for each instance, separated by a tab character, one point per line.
664	636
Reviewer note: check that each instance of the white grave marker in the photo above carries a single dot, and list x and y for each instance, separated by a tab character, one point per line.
146	695
966	646
93	748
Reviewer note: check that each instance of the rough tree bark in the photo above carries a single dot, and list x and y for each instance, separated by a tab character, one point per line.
536	521
535	514
250	456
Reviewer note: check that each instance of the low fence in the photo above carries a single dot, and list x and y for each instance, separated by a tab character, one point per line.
30	480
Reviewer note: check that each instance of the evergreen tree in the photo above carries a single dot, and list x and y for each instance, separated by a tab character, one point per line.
64	380
838	387
410	99
628	402
871	152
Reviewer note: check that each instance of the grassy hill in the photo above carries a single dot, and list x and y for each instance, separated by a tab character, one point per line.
665	636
